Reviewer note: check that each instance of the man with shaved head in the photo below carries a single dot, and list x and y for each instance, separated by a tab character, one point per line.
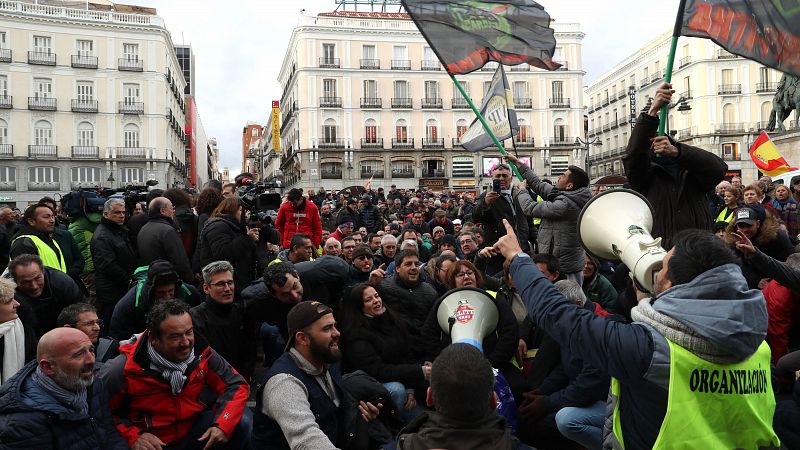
56	401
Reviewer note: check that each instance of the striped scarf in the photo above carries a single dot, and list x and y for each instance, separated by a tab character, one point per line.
172	372
74	400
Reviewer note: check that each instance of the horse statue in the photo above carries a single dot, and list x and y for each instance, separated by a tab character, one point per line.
787	99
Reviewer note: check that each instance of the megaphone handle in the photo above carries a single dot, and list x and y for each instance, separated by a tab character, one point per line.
451	321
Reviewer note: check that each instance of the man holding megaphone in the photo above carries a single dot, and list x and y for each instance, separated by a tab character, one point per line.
692	370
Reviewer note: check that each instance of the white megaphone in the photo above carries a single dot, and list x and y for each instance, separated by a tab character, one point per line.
616	225
467	315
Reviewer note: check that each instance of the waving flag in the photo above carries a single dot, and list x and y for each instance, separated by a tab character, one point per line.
498	109
766	157
466	34
761	30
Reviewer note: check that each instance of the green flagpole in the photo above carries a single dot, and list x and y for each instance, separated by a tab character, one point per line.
676	33
485	124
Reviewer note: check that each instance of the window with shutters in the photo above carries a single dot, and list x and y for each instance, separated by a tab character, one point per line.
3	132
130	136
42	88
368	52
401	89
43	44
42	133
43	175
401	131
85	135
132	175
370	131
84	47
461	128
130	52
329	131
329	88
86	175
431	89
85	91
370	89
130	93
431	129
3	86
8	174
558	90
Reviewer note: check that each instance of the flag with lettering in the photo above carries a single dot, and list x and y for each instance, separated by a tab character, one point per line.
767	158
466	34
761	30
498	110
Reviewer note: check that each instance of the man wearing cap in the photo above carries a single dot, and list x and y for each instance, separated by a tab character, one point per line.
349	210
369	216
344	229
558	232
456	227
298	215
765	233
302	403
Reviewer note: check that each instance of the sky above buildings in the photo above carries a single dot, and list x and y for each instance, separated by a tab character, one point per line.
239	46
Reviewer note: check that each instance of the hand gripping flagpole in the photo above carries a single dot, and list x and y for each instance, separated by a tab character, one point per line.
676	33
486	126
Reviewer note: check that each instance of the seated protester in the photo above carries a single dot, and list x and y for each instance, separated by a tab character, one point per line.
17	342
348	245
468	245
42	292
764	232
162	283
332	247
437	269
572	383
597	287
169	388
408	244
548	265
385	255
787	417
300	249
83	317
448	242
302	403
405	293
376	341
463	398
783	305
56	402
361	266
221	321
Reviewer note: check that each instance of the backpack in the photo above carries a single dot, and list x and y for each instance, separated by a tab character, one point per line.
139	280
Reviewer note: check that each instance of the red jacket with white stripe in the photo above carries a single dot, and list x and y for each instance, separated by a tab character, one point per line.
291	221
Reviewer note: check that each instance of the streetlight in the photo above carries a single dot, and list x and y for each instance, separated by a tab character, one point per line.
586	144
682	104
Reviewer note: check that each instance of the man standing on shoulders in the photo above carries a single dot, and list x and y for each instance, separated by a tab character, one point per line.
36	237
302	404
159	239
56	402
559	211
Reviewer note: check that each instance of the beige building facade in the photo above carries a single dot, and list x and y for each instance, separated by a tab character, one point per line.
364	97
721	103
88	97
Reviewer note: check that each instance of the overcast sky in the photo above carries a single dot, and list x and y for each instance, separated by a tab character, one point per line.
239	46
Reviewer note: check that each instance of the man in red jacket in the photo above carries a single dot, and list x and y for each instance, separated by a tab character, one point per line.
162	393
298	215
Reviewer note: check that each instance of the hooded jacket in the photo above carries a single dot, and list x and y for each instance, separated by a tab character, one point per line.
558	232
291	221
717	305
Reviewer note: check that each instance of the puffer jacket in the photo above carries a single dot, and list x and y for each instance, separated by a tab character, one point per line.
412	302
223	239
491	217
82	230
30	418
558	233
160	240
370	218
291	221
115	259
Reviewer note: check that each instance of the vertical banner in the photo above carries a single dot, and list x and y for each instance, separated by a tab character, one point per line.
276	127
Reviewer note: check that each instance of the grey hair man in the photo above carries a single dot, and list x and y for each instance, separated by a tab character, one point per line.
333	247
572	291
159	239
385	254
83	316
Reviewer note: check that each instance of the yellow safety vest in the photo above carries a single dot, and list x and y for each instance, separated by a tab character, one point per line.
46	253
726	215
537	220
713	406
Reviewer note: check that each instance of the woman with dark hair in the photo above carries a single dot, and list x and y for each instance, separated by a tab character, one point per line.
376	341
225	238
207	201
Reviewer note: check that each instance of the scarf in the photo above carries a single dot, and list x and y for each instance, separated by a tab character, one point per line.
172	372
14	348
75	400
680	334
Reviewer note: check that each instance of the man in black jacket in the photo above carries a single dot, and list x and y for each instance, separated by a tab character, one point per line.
114	258
42	292
405	292
369	216
675	177
160	240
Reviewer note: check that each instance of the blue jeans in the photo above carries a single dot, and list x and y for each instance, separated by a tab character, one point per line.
583	425
271	342
240	438
398	393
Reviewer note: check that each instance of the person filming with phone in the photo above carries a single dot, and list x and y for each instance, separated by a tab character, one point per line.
496	204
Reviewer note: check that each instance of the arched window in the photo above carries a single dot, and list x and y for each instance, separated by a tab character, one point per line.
729	114
85	135
559	131
431	129
3	132
42	133
329	131
401	131
130	136
461	127
370	131
522	136
766	108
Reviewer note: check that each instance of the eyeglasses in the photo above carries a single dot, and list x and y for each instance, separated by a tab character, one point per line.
466	273
222	284
464	241
88	323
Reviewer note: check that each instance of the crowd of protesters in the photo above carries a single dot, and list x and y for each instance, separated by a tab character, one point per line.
182	322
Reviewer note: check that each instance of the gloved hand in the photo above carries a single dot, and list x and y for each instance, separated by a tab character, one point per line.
534	406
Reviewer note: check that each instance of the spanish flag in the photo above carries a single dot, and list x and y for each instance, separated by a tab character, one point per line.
766	157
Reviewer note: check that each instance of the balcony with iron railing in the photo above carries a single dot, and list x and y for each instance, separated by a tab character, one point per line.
328	143
42	151
656	76
42	104
729	89
606	127
128	152
559	102
126	107
431	103
433	173
685	61
644	82
526	142
730	128
331	175
562	141
330	102
403	144
130	65
329	63
402	102
622	94
401	64
432	143
84	62
430	65
86	106
5	55
370	64
371	103
6	150
6	102
42	58
591	108
459	103
766	87
402	174
372	143
613	98
623	120
85	152
372	174
724	54
613	124
523	103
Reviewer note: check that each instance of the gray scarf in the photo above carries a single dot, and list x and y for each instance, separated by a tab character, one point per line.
172	372
681	334
75	400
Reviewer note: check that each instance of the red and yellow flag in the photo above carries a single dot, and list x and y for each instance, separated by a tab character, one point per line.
766	157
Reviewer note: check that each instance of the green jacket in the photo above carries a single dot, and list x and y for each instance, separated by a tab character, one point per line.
82	230
599	290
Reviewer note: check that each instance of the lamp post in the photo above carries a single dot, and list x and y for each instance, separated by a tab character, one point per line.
682	104
586	145
110	179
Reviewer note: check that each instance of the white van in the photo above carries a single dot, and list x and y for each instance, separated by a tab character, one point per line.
786	178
